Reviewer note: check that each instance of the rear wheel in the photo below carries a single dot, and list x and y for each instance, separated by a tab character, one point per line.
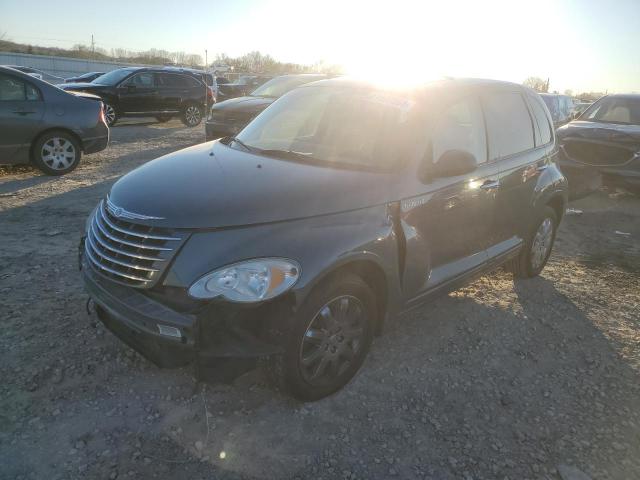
192	115
329	339
56	153
537	249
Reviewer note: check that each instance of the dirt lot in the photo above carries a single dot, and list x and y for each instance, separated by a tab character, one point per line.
532	380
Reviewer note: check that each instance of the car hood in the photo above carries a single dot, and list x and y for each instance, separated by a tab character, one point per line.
243	104
601	131
212	185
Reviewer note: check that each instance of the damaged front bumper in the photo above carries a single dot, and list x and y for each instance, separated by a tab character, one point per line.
170	337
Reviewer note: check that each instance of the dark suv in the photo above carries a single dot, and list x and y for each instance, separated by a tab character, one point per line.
139	91
337	208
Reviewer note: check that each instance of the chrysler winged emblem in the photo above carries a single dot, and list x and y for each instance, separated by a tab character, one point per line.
120	212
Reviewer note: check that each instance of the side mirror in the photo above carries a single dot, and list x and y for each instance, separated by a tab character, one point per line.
453	163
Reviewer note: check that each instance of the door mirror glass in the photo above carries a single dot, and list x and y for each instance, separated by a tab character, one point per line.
453	163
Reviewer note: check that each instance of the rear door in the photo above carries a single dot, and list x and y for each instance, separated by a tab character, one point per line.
450	222
139	93
518	153
21	111
172	88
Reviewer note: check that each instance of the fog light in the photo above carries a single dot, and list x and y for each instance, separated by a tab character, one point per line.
169	331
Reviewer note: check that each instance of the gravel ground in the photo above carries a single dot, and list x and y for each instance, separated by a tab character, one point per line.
532	380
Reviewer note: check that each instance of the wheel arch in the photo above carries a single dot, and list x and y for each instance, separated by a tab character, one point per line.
372	273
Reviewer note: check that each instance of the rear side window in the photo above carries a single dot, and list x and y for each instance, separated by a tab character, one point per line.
191	81
460	127
15	89
509	126
542	120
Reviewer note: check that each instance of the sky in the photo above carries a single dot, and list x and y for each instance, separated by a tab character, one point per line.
582	45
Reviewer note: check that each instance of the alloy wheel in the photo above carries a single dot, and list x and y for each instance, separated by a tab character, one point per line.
58	153
332	340
109	114
192	115
541	244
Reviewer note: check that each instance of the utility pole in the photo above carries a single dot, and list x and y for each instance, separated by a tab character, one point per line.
93	47
206	62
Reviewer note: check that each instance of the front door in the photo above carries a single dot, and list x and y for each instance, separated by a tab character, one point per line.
447	228
21	112
138	93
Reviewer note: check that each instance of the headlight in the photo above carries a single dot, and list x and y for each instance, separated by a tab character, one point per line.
248	281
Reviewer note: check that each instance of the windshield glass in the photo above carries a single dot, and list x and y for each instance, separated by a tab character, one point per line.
614	110
351	127
280	85
113	77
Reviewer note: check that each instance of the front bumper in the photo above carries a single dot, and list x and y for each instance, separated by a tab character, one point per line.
169	337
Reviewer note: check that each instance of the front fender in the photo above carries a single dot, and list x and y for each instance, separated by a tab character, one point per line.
321	245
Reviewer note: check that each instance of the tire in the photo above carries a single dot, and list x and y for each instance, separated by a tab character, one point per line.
334	328
534	255
56	152
110	114
163	118
192	115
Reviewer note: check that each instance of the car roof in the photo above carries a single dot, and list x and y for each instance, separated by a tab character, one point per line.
625	96
425	86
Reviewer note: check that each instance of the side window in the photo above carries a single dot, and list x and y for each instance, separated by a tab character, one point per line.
144	79
509	126
32	93
11	89
541	119
460	127
191	81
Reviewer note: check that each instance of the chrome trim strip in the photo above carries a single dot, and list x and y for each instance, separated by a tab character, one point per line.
125	242
114	272
120	212
102	243
131	232
116	261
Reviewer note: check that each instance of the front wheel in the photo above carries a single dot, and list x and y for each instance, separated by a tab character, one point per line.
329	339
56	153
537	249
192	115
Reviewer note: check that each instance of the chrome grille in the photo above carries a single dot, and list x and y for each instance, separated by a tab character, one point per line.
127	252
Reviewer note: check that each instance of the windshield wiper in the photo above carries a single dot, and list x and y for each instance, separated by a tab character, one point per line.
240	142
289	154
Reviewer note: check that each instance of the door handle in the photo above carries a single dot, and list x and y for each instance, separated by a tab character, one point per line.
490	185
23	112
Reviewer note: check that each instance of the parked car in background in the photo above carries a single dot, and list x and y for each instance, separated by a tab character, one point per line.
85	77
340	206
34	72
560	106
241	87
205	77
46	126
145	91
603	145
580	107
231	116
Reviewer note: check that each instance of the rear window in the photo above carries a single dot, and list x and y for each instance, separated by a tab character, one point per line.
508	124
541	119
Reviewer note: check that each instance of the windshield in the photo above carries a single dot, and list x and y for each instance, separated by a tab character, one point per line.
342	126
113	77
279	86
625	111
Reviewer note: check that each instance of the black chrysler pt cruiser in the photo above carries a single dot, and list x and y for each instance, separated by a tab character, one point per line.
339	207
